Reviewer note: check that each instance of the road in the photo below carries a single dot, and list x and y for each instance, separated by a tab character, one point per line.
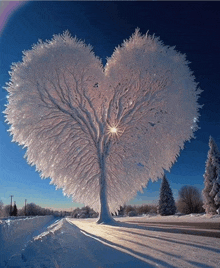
208	229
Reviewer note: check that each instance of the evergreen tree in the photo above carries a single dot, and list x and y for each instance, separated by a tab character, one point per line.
15	210
166	202
211	191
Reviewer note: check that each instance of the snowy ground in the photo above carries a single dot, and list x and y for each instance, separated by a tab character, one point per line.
16	233
173	241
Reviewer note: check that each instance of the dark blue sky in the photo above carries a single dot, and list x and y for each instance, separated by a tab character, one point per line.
193	27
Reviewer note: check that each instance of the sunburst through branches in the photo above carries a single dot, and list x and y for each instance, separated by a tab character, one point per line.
115	131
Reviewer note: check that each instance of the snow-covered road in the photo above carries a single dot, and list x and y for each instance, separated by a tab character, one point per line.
157	246
82	243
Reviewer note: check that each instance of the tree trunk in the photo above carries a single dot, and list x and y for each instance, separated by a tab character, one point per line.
104	214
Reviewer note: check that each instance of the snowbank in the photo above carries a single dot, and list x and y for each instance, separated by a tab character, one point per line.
15	233
64	245
194	217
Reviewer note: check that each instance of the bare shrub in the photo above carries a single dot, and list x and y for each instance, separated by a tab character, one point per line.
190	200
128	209
144	209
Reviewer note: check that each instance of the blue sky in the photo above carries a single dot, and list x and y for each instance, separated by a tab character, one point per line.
193	27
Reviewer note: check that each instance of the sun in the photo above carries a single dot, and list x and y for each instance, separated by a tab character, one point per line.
113	130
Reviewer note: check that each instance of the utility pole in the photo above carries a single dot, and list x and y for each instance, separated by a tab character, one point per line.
25	207
11	205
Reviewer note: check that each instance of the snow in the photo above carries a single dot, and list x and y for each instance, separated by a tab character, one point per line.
178	217
147	241
15	233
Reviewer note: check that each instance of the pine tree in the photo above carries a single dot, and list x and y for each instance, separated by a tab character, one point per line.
211	191
166	202
15	210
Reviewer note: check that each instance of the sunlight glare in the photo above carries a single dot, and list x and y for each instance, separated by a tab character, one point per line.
113	130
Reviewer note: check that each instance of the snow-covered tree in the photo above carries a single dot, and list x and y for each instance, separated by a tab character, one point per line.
211	191
101	133
166	202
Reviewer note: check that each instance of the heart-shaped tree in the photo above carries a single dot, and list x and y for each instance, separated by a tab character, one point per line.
102	133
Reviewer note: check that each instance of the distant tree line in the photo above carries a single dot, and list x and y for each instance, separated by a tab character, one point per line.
31	209
137	210
126	210
84	212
